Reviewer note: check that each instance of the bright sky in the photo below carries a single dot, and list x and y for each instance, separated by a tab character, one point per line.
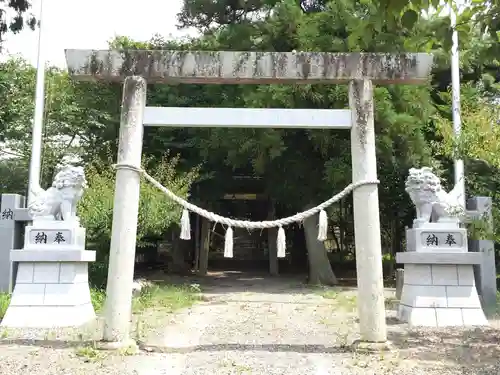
90	24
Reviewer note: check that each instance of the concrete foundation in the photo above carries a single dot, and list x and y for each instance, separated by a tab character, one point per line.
51	289
439	290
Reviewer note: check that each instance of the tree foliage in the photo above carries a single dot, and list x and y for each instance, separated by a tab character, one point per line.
295	168
406	128
81	123
14	16
478	145
157	213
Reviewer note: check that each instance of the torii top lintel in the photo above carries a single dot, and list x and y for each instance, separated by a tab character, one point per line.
230	67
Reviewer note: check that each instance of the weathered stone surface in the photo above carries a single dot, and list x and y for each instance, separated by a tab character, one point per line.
485	272
448	297
413	257
248	67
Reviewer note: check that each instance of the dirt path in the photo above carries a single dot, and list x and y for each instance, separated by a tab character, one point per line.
278	326
264	326
248	332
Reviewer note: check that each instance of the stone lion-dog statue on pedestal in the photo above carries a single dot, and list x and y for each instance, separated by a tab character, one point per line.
60	200
431	201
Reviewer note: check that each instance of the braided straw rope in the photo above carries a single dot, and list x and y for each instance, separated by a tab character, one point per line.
245	223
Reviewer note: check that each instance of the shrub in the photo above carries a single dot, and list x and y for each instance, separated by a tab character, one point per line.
157	213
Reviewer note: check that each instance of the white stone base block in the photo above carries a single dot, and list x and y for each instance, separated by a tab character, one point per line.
441	317
51	294
440	295
50	317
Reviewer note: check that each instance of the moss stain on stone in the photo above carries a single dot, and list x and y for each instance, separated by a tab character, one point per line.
240	63
127	62
258	70
95	64
220	65
363	107
281	64
395	67
303	64
144	64
108	62
200	65
176	63
204	65
327	65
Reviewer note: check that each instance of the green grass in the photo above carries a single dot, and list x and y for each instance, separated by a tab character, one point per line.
337	294
327	292
497	310
168	298
97	296
347	300
4	303
89	353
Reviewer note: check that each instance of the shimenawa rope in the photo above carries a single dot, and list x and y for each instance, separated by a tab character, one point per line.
228	246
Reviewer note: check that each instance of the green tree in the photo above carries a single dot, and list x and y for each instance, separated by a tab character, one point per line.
284	160
157	213
14	16
274	154
81	121
404	115
80	118
296	168
478	145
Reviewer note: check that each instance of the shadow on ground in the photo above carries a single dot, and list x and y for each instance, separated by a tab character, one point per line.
275	348
243	282
475	348
50	344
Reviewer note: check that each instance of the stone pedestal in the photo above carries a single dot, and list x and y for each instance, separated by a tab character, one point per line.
11	237
51	287
439	290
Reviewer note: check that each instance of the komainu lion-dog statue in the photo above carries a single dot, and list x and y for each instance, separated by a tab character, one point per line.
430	199
59	202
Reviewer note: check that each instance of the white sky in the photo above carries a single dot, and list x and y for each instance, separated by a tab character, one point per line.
90	24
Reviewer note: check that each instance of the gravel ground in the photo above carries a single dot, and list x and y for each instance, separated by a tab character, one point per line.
256	326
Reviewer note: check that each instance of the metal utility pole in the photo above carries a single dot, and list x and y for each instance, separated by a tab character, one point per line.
36	136
455	87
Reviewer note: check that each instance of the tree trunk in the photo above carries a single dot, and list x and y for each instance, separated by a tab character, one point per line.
272	234
396	243
336	240
197	245
341	226
178	265
320	270
205	245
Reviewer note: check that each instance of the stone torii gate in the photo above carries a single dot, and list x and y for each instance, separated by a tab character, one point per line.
136	68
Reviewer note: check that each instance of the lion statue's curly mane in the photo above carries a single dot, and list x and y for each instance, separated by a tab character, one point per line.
60	200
